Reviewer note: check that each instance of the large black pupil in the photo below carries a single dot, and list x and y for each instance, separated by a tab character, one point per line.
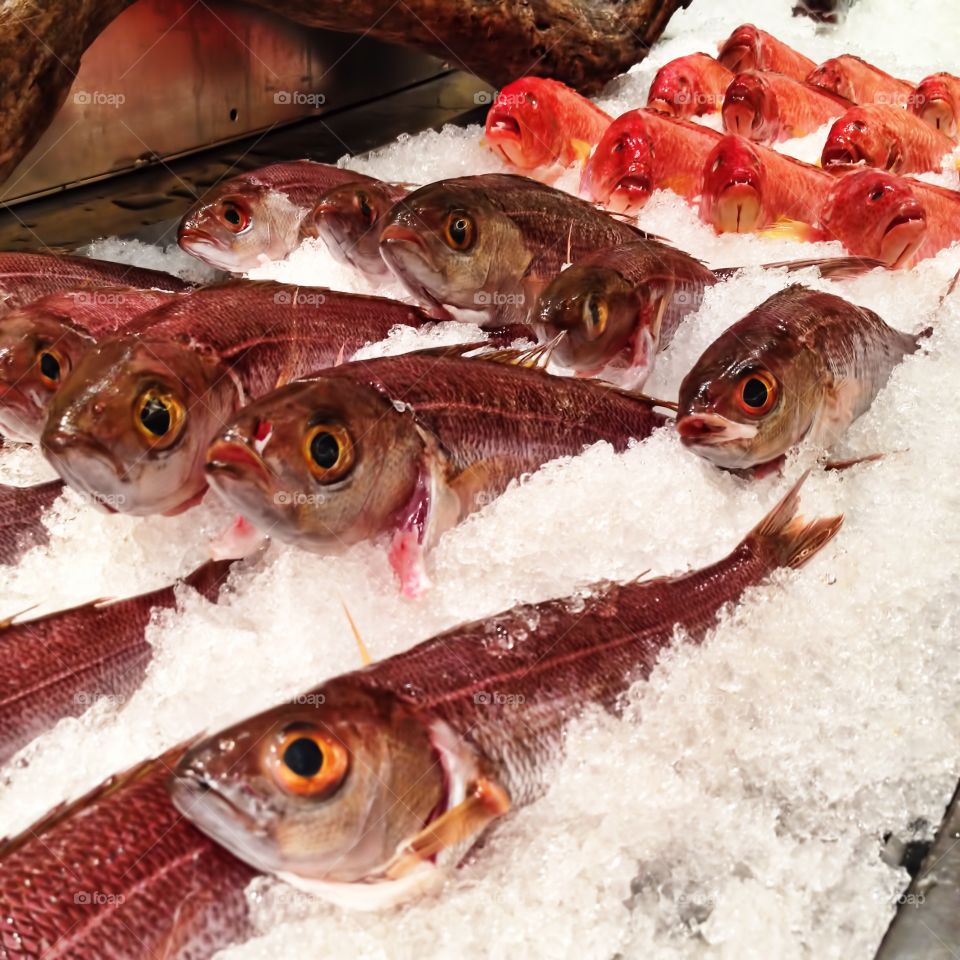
594	312
458	230
325	450
155	416
303	757
754	393
232	215
365	210
49	366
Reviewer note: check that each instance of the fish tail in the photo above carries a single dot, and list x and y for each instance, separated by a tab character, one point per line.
790	539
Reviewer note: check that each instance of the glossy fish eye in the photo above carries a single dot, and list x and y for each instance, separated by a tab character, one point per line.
595	313
51	366
459	231
158	416
307	762
716	164
328	450
235	217
858	125
756	393
363	205
876	194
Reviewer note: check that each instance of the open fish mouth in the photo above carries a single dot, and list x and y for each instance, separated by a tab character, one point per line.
840	154
236	460
737	209
662	105
938	113
629	193
903	237
503	126
399	241
741	117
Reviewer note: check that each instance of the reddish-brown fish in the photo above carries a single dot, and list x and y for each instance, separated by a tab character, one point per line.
749	48
860	82
21	514
689	86
120	874
936	102
360	789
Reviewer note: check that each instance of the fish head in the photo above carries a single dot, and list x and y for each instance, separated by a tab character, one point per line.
318	462
452	248
858	138
733	178
934	102
741	50
522	127
325	787
38	349
240	226
676	90
750	108
875	214
599	312
347	219
833	77
620	175
130	426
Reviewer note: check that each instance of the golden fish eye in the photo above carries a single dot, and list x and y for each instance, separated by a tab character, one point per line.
756	393
159	416
460	231
329	453
307	762
51	366
595	313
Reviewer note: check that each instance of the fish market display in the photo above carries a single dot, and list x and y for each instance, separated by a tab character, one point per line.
689	86
361	788
537	124
749	48
129	428
936	101
803	364
255	217
856	80
402	448
21	513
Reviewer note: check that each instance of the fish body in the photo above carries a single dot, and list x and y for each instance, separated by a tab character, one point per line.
856	80
749	48
129	428
358	789
803	364
253	218
747	186
120	874
936	102
42	341
643	151
401	448
21	518
885	137
349	219
769	107
538	124
481	248
689	86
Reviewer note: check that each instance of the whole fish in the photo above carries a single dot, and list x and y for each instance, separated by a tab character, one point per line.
769	107
129	428
936	102
898	220
747	186
28	276
402	448
749	48
860	82
885	137
643	151
41	342
536	124
349	219
803	364
61	664
362	788
689	86
255	217
120	874
21	518
481	248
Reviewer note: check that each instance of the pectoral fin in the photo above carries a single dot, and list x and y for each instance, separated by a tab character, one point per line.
786	229
581	150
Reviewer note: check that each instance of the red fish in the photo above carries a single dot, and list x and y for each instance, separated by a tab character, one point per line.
538	123
885	137
21	512
689	86
768	107
860	82
749	48
937	102
747	187
643	151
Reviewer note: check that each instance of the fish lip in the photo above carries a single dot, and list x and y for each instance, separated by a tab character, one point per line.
666	107
239	461
407	239
911	242
704	429
503	125
60	458
202	790
739	197
196	235
15	398
840	155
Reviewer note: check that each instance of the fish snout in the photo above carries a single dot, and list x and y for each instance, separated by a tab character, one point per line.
938	113
662	105
700	427
235	459
840	153
737	208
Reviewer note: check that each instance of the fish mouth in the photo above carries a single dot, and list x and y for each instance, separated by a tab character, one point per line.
840	155
737	208
739	57
661	105
903	237
712	430
63	448
503	126
629	194
408	240
236	460
741	117
197	237
938	113
195	796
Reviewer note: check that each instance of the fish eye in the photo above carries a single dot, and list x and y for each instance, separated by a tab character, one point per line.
363	205
51	366
595	313
532	100
756	393
235	217
328	450
858	125
307	762
716	164
876	194
158	416
459	231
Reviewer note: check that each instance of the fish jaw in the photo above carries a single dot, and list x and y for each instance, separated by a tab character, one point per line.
88	467
409	258
21	416
903	238
200	244
938	113
630	194
504	136
716	438
736	209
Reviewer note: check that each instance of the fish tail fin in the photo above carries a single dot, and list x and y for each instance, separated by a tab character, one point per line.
790	539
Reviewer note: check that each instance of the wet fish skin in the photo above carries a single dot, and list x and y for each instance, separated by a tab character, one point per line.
21	512
255	217
189	365
803	364
689	86
120	874
856	80
937	102
486	702
749	48
886	137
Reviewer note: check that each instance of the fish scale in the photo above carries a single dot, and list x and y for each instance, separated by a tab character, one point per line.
21	509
